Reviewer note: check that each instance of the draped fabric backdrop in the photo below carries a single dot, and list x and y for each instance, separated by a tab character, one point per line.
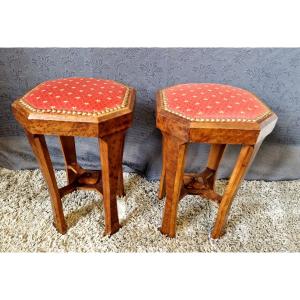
273	74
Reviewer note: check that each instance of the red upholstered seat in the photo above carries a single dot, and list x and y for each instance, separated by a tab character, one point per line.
86	96
210	102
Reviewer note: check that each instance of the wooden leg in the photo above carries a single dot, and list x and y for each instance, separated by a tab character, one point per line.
121	191
162	183
69	152
40	150
214	158
111	161
174	169
243	162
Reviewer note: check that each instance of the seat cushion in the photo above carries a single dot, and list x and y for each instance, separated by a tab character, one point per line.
87	96
210	102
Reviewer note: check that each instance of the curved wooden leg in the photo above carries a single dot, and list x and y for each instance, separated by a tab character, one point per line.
243	162
111	161
174	169
69	152
214	158
162	182
40	150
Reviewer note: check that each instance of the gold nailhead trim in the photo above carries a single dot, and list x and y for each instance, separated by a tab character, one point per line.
96	113
165	106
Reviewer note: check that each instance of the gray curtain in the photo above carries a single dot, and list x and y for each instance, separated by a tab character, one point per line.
273	74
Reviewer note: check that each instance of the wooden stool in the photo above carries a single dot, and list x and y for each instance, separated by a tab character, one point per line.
207	113
85	107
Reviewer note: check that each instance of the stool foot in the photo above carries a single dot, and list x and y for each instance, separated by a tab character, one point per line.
174	168
111	230
111	151
61	230
40	150
167	233
243	162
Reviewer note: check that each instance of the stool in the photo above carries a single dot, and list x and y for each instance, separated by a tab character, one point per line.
85	107
207	113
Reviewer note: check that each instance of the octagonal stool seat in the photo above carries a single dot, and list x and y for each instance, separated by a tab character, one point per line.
85	107
207	113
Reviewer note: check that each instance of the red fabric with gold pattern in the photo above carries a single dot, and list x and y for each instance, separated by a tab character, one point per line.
213	102
87	95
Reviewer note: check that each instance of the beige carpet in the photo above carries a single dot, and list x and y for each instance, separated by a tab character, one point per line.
265	217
